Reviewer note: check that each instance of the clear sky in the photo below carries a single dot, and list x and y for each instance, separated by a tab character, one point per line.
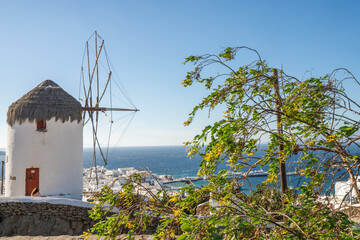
147	41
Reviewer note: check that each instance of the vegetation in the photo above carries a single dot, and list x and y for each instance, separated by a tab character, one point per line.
314	119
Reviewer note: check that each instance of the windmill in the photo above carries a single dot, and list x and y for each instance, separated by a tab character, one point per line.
96	92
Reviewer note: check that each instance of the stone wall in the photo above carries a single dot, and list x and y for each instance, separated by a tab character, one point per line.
34	219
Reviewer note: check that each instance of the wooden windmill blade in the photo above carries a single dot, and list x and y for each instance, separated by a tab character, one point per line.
95	87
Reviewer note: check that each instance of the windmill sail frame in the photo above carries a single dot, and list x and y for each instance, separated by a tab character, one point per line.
91	109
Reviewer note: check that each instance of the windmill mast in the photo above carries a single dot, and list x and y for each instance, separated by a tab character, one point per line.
93	109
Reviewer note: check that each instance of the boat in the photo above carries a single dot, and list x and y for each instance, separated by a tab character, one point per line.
252	173
255	173
258	173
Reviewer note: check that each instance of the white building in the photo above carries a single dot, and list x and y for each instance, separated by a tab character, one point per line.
343	189
45	144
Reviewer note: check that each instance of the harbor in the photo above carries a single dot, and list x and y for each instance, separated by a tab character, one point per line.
94	179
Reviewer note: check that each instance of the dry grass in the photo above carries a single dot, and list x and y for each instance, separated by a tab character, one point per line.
45	101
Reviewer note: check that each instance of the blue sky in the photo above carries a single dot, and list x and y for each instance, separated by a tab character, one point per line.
148	40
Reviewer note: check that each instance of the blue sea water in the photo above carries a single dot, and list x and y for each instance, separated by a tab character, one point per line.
169	160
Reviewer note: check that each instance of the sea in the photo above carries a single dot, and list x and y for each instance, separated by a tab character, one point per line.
168	160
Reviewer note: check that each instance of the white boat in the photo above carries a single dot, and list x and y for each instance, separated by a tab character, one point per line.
252	173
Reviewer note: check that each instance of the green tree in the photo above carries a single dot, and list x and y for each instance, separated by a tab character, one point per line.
305	116
313	119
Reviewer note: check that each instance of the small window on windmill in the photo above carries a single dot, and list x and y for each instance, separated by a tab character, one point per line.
41	126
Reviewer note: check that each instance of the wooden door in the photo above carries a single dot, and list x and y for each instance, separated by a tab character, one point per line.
32	180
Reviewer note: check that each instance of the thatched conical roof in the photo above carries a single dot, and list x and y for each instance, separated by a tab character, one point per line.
45	101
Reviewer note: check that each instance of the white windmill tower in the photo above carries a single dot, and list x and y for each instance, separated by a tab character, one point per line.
45	132
45	143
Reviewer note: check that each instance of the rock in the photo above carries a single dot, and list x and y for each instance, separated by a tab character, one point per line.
6	227
61	227
77	226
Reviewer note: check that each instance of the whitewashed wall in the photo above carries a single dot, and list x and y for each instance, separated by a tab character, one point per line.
58	153
342	188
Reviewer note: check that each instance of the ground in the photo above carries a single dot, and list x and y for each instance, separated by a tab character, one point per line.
64	237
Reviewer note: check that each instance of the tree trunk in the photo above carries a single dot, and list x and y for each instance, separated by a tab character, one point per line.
353	180
280	132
